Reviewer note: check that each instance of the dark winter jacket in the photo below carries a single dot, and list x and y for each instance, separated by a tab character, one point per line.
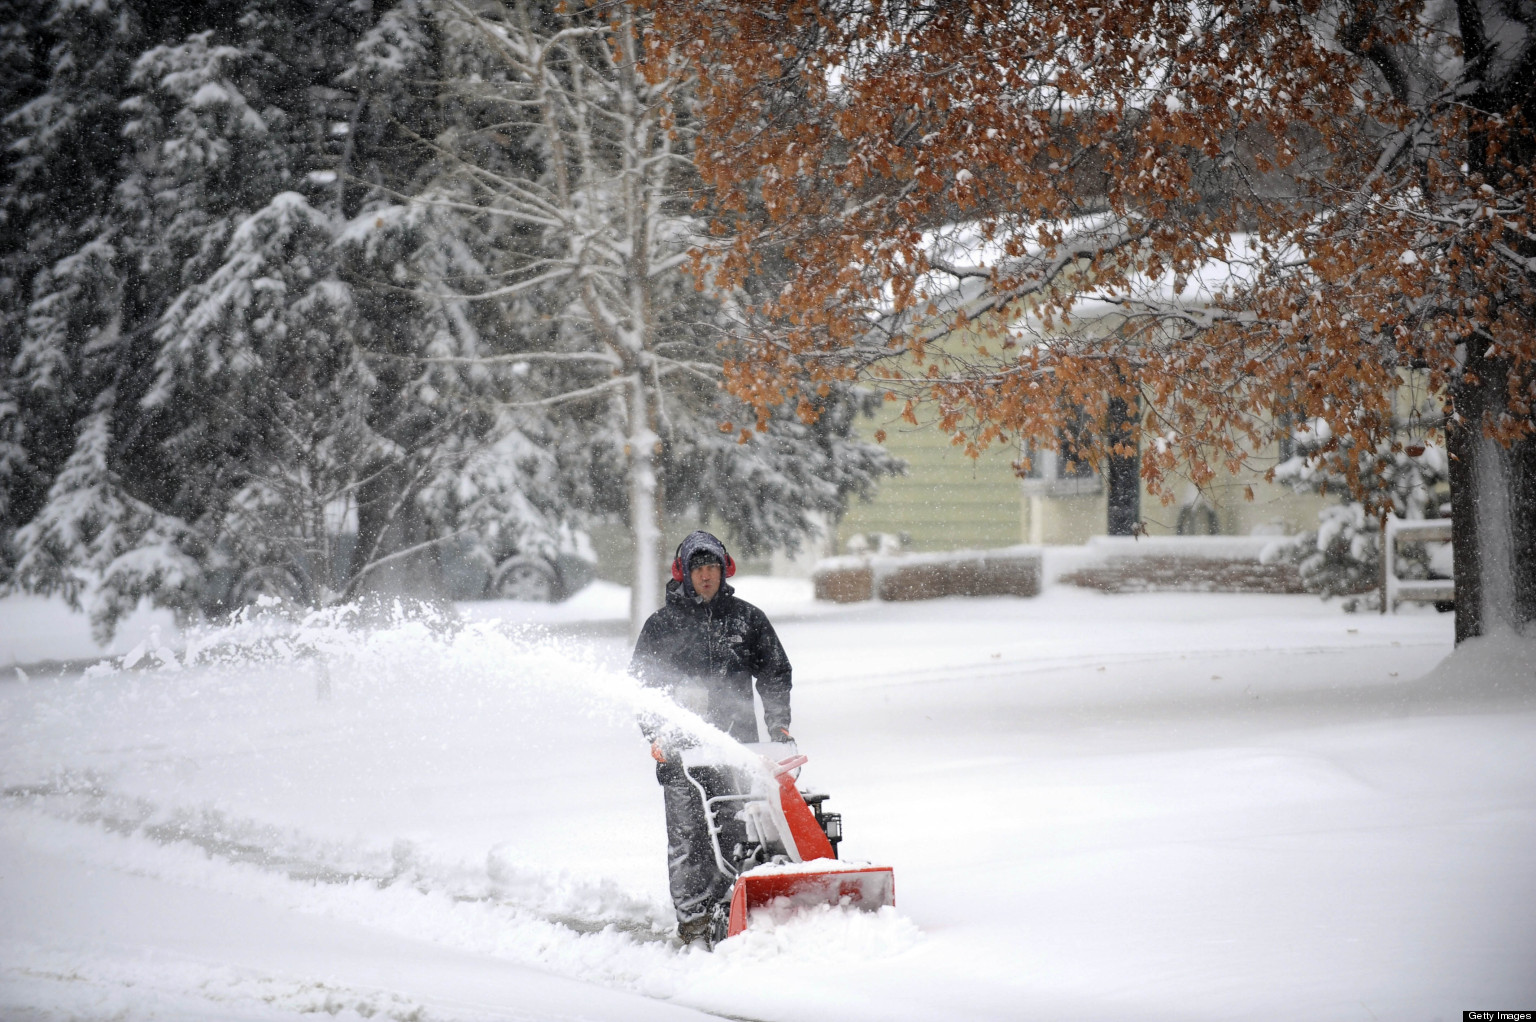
705	655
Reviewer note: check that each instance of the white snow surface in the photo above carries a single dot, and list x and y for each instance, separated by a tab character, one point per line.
40	628
1152	806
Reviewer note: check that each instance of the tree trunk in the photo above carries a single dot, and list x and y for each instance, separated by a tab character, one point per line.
1124	472
1493	508
1462	444
388	520
374	501
1496	548
1493	489
1522	508
644	481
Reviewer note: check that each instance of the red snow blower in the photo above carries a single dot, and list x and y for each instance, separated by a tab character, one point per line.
777	841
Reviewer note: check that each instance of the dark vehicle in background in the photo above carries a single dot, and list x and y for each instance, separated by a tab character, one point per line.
541	579
455	571
539	576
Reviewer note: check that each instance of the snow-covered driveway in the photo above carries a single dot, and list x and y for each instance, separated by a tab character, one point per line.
1159	807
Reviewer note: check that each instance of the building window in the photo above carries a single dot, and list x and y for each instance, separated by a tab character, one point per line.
1058	473
1198	519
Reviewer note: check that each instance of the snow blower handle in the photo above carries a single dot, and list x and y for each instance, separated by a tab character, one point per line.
795	762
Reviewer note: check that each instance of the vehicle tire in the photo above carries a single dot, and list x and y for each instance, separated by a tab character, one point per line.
526	578
269	581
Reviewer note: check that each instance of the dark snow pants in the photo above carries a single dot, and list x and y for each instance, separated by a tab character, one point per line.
695	878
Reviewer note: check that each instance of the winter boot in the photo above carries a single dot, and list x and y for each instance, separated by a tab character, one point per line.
696	930
719	923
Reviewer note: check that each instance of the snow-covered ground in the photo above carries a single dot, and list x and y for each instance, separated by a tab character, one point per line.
1097	807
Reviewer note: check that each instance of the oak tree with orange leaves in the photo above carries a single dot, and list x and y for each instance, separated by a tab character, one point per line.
1231	215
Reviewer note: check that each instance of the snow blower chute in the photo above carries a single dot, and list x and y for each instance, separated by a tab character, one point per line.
777	841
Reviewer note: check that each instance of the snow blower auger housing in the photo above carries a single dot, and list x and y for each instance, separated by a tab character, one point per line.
776	840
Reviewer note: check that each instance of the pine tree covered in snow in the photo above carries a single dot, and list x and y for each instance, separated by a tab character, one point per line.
60	287
215	300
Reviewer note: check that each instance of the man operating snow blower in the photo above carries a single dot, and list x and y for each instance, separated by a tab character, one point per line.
741	837
705	648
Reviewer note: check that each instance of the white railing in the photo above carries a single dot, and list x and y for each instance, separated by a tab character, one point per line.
1425	590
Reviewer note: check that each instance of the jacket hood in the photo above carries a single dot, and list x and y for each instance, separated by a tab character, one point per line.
696	542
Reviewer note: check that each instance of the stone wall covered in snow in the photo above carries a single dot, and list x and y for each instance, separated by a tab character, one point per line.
1112	564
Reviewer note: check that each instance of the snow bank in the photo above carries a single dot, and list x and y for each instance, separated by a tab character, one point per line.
1498	668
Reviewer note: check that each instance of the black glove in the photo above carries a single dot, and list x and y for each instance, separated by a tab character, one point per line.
780	734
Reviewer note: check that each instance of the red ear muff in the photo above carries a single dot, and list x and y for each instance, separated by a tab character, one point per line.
677	570
730	566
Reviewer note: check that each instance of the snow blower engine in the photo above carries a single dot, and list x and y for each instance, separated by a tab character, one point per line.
777	841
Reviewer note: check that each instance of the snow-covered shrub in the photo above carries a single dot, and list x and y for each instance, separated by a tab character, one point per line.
1342	557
